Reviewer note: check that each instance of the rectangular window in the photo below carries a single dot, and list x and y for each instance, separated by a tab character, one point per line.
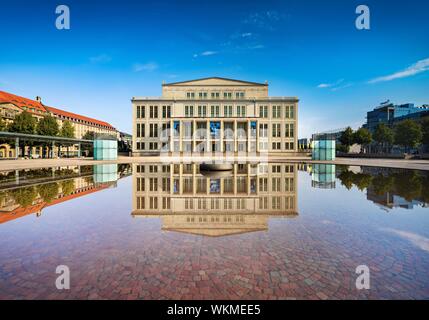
239	95
215	95
190	95
189	111
153	132
138	112
241	111
202	111
153	112
263	111
276	145
263	130
289	112
202	95
289	130
227	95
166	112
227	111
276	111
276	130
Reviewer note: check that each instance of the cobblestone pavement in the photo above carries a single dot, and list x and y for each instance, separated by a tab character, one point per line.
314	256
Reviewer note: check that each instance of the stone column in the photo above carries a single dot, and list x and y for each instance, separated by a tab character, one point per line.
16	148
235	137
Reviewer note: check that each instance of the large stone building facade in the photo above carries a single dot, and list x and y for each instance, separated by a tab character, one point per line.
215	115
190	201
12	105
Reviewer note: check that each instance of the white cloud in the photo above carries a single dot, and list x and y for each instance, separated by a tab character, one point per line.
205	53
257	46
330	85
102	58
347	85
246	34
208	53
414	238
418	67
150	66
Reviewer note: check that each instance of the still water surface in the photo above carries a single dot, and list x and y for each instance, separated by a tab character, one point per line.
167	231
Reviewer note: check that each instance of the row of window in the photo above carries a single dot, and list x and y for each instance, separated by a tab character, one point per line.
153	112
228	147
188	168
153	185
215	111
287	112
278	146
277	203
289	131
215	95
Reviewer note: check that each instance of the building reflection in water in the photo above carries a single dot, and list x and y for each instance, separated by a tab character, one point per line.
25	192
323	176
218	204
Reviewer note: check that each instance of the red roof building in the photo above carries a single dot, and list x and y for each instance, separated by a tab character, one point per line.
37	107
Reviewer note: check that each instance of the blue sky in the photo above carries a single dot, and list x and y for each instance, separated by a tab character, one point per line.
311	49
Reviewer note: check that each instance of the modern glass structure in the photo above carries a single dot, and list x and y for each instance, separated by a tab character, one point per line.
105	149
389	113
323	147
105	173
323	176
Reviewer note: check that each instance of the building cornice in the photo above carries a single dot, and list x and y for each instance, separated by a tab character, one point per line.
213	101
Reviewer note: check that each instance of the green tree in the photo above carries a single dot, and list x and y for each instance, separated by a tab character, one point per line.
408	184
67	187
382	184
23	123
3	125
363	137
347	138
67	130
24	196
362	181
346	178
383	136
425	132
48	126
408	134
48	191
89	135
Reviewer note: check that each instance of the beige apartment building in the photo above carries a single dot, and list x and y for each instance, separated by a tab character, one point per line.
215	115
226	203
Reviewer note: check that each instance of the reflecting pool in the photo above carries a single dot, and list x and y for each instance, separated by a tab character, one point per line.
169	231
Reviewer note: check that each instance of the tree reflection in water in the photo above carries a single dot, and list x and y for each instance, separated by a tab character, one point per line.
408	184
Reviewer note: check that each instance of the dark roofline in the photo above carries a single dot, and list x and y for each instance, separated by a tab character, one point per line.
220	78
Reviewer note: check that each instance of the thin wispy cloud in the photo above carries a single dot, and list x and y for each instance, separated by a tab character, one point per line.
416	239
344	86
205	54
257	46
416	68
102	58
267	20
330	85
150	66
246	34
